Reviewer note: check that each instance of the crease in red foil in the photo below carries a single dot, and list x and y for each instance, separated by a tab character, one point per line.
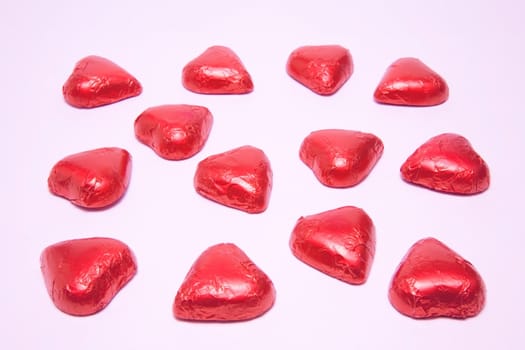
97	81
82	276
240	178
447	163
410	82
218	70
341	158
324	69
434	281
92	179
174	132
223	284
338	242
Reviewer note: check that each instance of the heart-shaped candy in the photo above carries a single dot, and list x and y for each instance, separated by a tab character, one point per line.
83	275
92	179
434	281
410	82
341	158
323	69
97	81
223	285
339	242
218	70
174	132
447	163
240	178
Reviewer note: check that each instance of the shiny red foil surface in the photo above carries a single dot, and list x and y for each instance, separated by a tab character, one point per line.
174	132
240	178
224	285
82	276
92	179
434	281
218	70
447	163
341	158
97	81
339	242
410	82
323	69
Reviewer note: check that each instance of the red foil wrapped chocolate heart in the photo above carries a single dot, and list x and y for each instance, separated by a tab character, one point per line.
240	178
339	242
218	70
434	281
97	81
410	82
92	179
174	132
447	163
323	69
224	285
341	158
82	276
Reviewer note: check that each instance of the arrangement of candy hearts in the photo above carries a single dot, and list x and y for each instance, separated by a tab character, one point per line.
83	275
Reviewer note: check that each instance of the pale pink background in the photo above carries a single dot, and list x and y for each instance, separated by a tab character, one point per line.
475	45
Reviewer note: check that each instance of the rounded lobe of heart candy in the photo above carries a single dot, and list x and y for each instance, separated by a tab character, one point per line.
92	179
174	132
97	81
218	70
338	242
447	163
434	281
410	82
324	69
82	276
224	285
240	178
341	158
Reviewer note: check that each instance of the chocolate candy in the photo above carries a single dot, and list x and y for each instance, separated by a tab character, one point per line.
340	158
97	81
410	82
224	285
447	163
92	179
434	281
338	242
82	276
218	70
240	178
174	132
323	69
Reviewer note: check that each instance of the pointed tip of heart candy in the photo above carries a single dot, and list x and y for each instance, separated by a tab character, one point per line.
93	179
240	178
410	82
434	281
338	242
447	163
341	158
324	69
97	81
224	285
218	70
174	132
82	276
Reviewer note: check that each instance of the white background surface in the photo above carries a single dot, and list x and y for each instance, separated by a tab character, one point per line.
477	46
